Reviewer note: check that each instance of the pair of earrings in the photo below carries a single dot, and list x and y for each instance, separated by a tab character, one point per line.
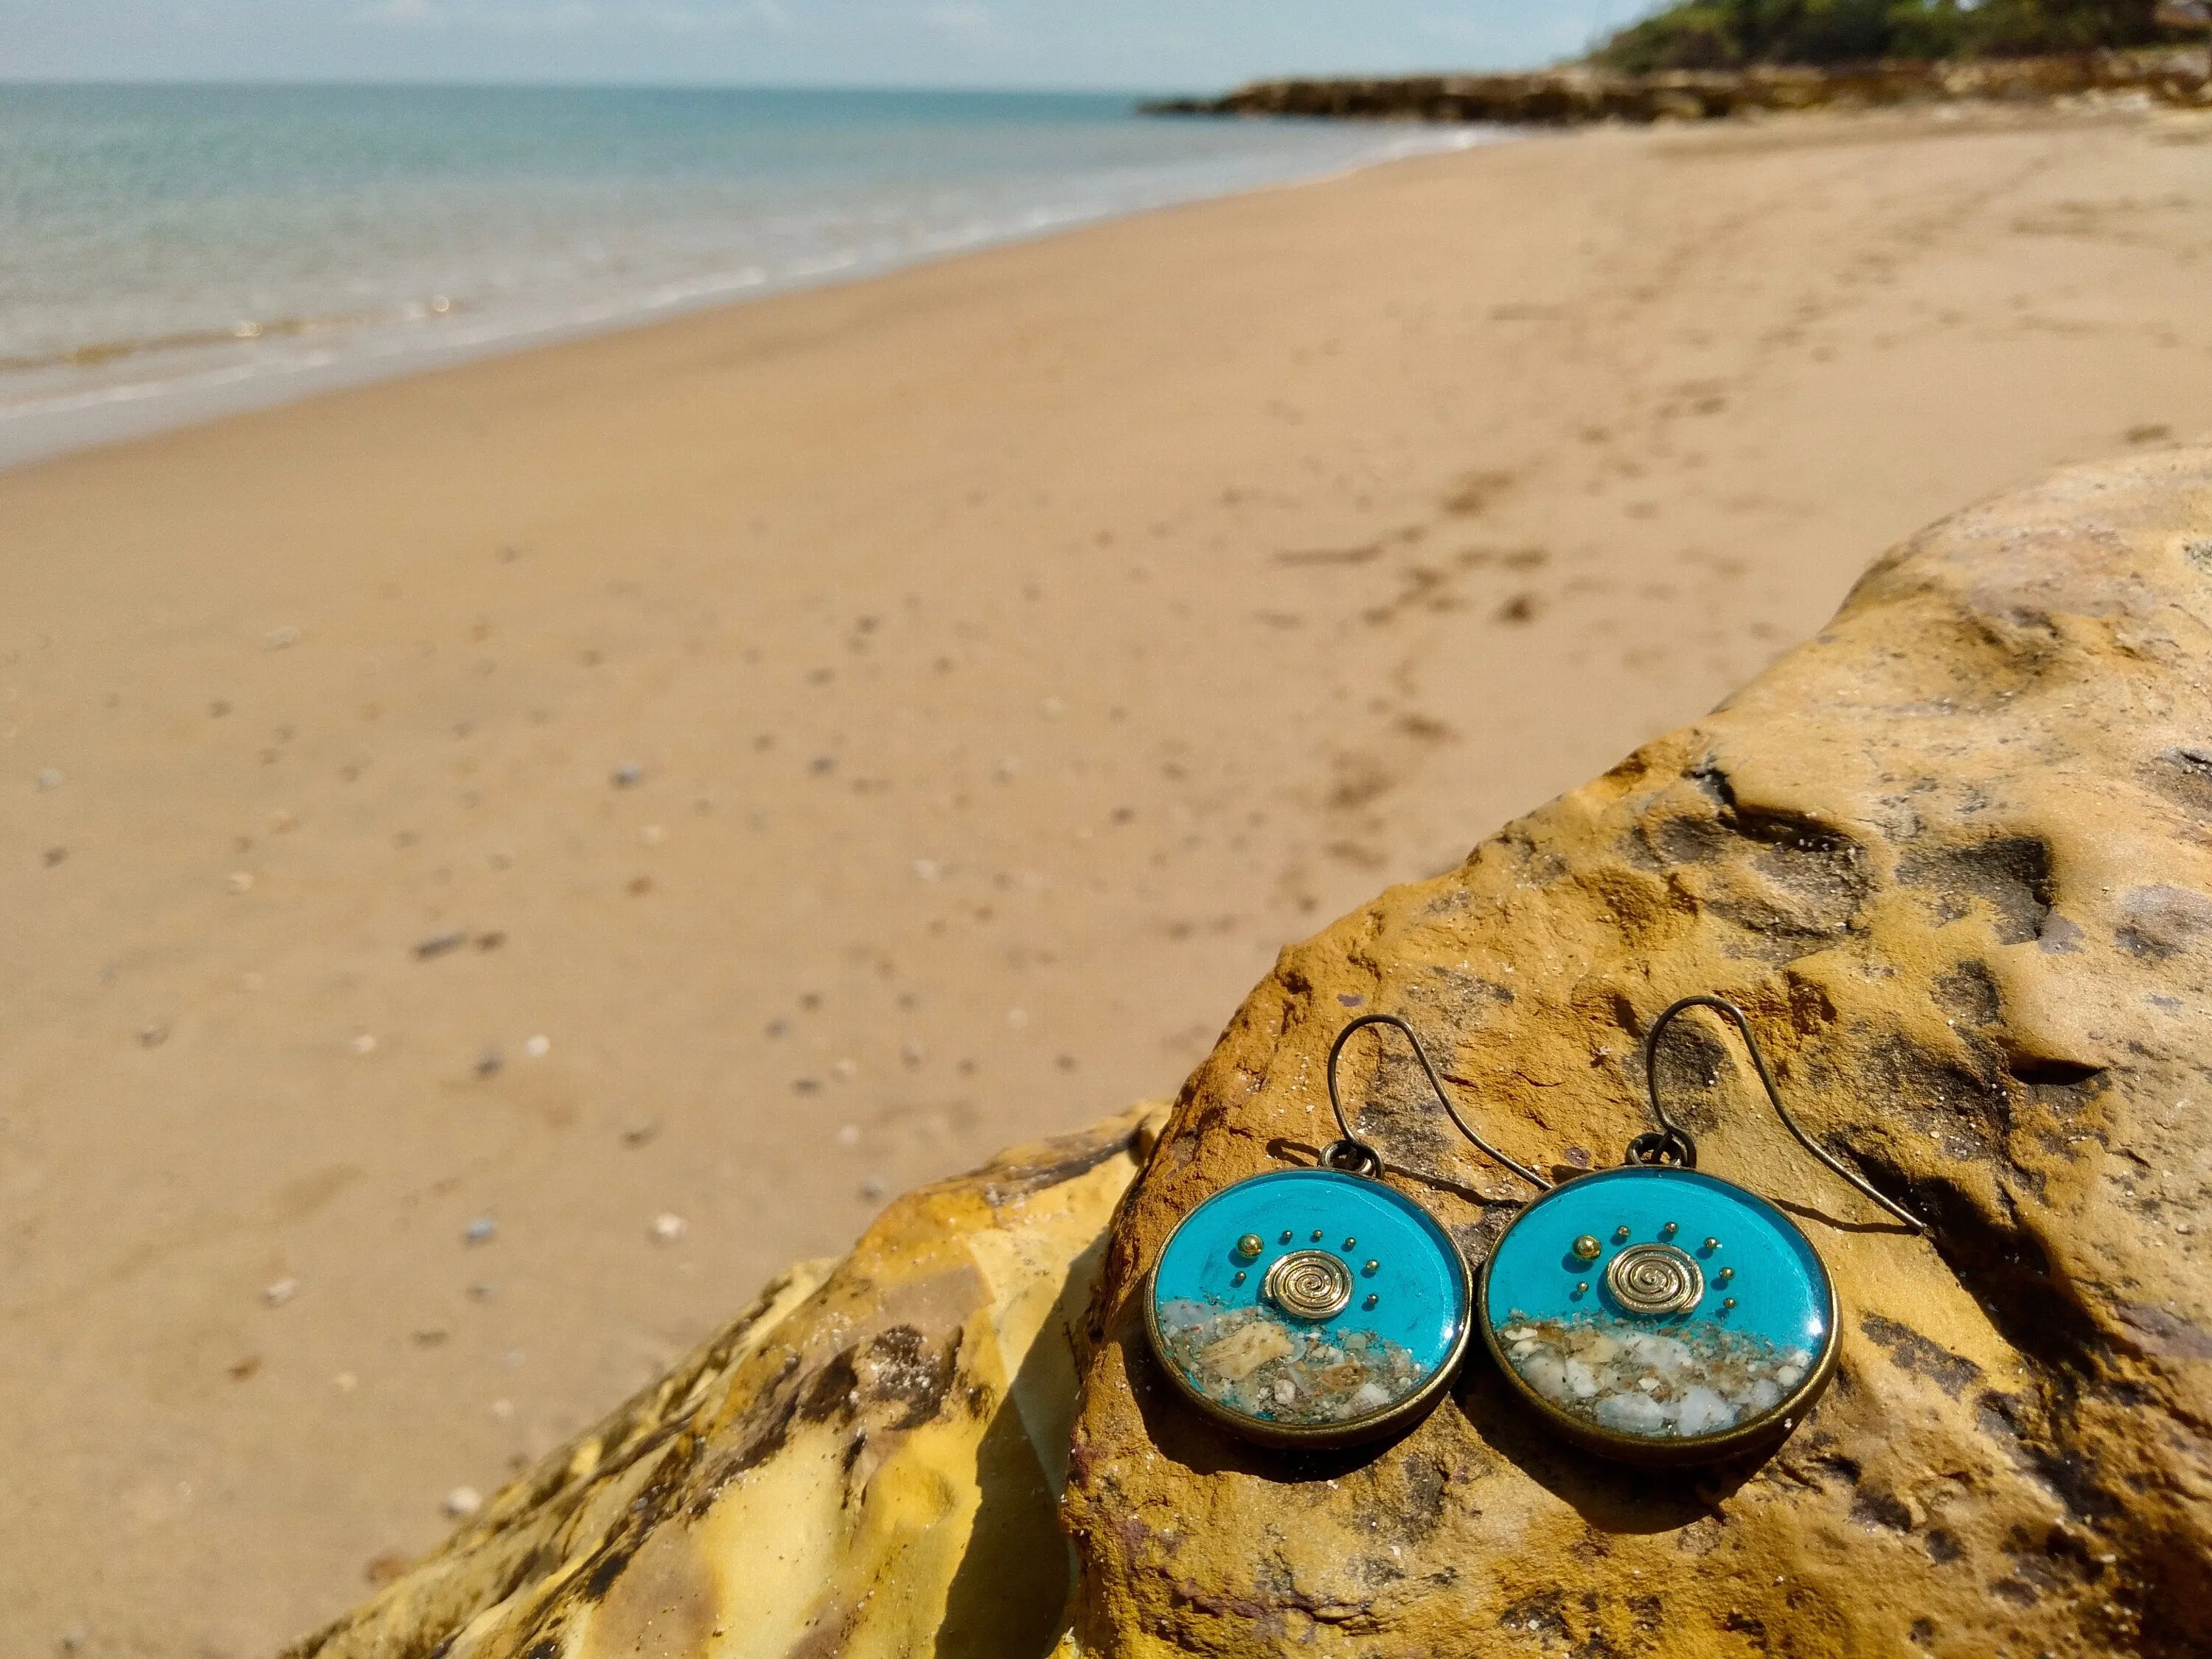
1648	1312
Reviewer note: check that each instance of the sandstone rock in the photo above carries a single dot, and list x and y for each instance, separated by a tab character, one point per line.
1954	857
865	1462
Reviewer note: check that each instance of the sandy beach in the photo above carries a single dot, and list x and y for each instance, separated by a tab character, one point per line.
499	861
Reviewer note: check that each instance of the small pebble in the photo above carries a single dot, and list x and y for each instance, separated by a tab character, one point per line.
279	1293
481	1230
463	1502
363	1044
280	639
1017	1018
345	1381
73	1639
241	881
502	1409
927	869
438	943
538	1046
849	1135
56	856
628	775
653	834
845	1068
668	1228
489	1062
152	1037
872	1187
49	779
481	1291
638	1133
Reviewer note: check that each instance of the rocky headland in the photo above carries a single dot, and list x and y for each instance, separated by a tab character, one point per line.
1580	93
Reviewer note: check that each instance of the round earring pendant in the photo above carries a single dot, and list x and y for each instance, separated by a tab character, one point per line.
1660	1315
1309	1307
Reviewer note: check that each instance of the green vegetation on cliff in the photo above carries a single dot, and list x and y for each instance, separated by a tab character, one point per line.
1720	34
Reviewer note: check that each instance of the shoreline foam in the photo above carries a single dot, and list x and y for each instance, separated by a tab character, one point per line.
57	394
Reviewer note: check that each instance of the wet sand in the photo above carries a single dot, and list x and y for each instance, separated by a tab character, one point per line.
497	862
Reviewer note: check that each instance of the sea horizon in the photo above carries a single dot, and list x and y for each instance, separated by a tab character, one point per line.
174	251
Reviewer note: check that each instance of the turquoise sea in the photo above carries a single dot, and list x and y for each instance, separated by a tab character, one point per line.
169	253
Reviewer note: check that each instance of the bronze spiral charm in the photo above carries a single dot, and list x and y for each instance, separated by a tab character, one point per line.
1308	1284
1654	1279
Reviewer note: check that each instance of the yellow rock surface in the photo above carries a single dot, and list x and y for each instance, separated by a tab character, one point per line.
867	1462
1954	857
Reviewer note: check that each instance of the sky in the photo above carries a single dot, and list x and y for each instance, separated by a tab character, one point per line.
1118	45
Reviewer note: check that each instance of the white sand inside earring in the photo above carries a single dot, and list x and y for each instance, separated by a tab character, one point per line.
1684	1382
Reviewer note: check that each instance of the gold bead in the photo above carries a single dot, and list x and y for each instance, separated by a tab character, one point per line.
1239	1279
1351	1243
1286	1234
1583	1289
1728	1302
1316	1235
1370	1301
1369	1267
1712	1244
1726	1274
1586	1248
1250	1246
1620	1235
1668	1230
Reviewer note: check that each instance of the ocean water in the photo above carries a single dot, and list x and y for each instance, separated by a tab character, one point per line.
170	252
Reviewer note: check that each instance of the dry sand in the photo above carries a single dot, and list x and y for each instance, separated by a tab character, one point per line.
1012	654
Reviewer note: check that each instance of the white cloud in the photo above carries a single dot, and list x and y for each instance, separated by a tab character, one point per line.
407	13
570	17
957	20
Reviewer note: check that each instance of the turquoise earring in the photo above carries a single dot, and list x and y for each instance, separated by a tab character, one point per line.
1662	1315
1315	1306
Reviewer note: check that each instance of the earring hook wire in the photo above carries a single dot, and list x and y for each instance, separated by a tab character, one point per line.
1336	1102
1673	1136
